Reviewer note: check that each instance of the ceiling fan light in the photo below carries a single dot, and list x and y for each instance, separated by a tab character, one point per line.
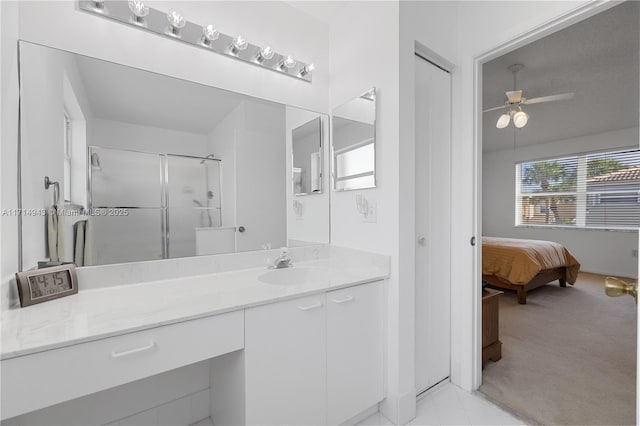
520	119
503	121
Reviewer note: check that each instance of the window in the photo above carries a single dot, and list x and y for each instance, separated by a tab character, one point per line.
67	156
354	166
596	190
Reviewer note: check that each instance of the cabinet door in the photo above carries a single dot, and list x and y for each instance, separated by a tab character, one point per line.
285	364
354	350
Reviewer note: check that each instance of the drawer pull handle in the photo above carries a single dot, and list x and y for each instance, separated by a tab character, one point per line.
345	300
133	351
307	308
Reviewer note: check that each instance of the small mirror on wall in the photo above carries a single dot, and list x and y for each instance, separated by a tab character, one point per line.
307	158
354	143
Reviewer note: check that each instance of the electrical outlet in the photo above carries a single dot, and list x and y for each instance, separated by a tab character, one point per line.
634	253
371	215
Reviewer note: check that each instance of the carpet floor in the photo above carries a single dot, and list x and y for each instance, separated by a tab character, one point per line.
568	356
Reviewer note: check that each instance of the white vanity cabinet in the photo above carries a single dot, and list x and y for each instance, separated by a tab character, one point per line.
45	378
315	360
285	367
354	351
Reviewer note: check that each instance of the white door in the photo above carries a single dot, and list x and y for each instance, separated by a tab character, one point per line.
260	178
433	223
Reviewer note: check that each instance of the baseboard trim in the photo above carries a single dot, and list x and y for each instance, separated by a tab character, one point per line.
399	409
433	388
598	272
362	416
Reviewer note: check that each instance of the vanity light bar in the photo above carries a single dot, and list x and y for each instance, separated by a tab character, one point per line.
202	36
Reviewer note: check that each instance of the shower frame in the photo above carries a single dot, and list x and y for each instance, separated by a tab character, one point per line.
163	174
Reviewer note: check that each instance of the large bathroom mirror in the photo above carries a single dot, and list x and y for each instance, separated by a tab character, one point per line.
307	158
142	166
354	143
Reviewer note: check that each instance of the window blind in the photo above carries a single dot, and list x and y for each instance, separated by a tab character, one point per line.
595	190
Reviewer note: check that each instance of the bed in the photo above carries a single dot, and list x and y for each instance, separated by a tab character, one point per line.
523	265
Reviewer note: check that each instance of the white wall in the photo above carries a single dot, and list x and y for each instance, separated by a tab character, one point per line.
612	253
373	44
364	52
135	137
286	28
313	225
249	141
222	144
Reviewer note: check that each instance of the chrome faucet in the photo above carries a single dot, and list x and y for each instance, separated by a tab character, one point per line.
283	261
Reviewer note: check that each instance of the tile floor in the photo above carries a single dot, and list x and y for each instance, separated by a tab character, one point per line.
450	405
446	405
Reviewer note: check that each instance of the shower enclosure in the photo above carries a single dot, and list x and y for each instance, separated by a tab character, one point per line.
147	206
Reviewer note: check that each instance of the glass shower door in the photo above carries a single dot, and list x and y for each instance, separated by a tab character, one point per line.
126	193
193	197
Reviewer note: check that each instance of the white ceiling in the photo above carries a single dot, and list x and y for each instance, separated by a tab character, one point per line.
130	95
322	10
597	59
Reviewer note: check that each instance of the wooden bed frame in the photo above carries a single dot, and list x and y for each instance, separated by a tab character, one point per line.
543	278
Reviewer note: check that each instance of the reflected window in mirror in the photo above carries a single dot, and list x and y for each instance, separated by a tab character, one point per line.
354	158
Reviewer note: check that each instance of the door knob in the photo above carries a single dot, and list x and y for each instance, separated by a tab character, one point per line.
615	287
422	241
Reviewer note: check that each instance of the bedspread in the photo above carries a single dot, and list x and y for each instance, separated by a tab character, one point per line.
518	261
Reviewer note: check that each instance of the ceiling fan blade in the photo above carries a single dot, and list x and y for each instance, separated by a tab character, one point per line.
495	108
551	98
514	96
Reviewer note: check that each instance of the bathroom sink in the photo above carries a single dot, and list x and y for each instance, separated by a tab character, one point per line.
295	275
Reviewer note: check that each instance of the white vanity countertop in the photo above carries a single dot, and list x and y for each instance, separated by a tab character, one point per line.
104	312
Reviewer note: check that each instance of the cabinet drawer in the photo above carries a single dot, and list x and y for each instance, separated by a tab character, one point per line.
39	380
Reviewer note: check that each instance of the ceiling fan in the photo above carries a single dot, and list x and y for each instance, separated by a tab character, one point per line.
515	100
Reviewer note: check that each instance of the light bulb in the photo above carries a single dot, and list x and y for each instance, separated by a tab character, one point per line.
287	62
307	69
265	53
504	120
238	43
139	9
520	119
176	21
209	34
